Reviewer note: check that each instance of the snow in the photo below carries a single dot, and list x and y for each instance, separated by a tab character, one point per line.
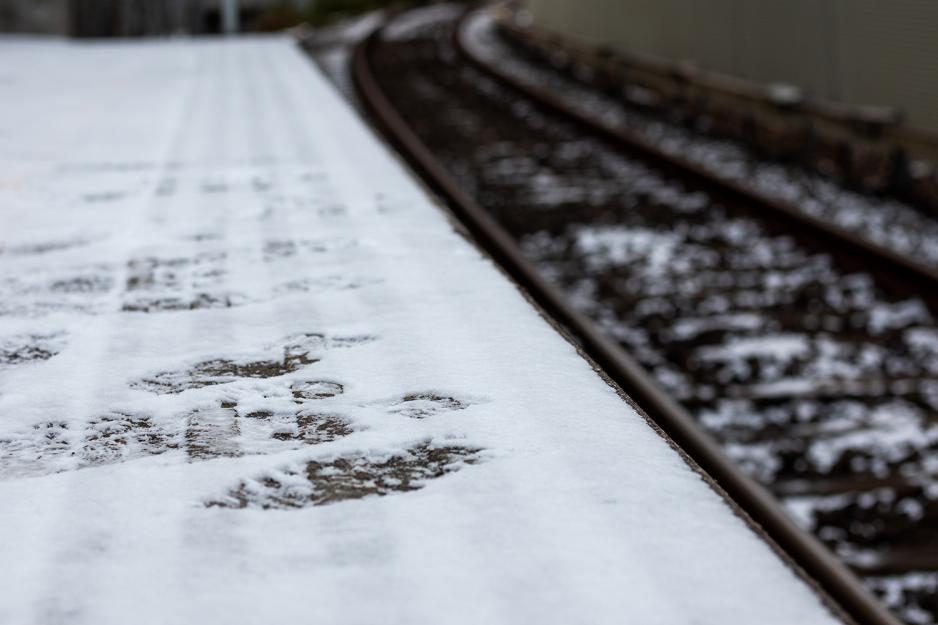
783	347
332	47
250	373
628	245
895	589
411	22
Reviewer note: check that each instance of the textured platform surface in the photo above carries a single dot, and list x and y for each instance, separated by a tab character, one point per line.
249	373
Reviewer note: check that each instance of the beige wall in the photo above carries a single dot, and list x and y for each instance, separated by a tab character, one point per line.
878	52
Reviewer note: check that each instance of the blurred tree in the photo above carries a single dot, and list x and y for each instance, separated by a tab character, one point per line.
286	13
322	11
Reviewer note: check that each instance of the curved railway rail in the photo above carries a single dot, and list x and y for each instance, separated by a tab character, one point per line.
499	233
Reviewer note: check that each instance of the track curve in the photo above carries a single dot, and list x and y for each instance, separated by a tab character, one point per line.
828	573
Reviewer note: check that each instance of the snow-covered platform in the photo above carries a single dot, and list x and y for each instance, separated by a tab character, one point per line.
250	373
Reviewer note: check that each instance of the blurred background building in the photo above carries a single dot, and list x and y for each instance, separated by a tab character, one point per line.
861	52
34	16
133	18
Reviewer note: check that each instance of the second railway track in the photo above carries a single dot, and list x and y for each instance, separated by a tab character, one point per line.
811	362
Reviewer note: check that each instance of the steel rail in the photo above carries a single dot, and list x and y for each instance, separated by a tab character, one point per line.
817	563
860	252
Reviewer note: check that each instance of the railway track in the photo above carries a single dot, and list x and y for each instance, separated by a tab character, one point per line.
772	169
808	356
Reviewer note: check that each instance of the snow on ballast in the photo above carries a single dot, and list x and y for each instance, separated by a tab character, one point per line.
249	373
